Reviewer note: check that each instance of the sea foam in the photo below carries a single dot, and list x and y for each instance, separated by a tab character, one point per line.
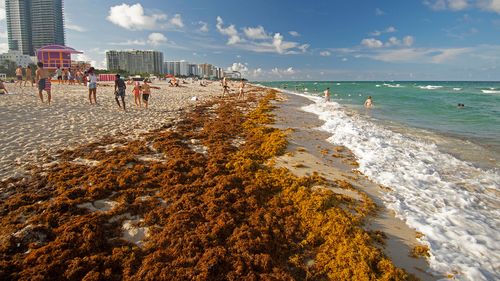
430	87
450	201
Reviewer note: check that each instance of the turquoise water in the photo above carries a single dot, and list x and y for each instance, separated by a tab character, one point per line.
425	105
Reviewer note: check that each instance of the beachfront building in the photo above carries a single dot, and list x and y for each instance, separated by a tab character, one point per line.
135	61
17	57
54	56
32	24
192	69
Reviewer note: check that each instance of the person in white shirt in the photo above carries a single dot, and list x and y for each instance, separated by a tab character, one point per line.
92	78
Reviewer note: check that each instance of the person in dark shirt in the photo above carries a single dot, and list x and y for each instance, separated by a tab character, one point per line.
120	90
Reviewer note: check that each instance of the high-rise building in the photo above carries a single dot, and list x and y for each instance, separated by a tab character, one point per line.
32	24
47	23
135	61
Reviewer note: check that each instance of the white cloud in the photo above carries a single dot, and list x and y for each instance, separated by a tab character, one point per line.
379	12
130	42
132	17
229	31
204	26
408	41
490	5
156	38
460	5
393	41
75	27
390	29
372	43
257	72
294	33
414	55
344	59
237	66
177	21
257	40
325	53
283	72
255	32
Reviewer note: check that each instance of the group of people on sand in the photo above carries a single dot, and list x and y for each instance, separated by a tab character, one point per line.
225	88
368	102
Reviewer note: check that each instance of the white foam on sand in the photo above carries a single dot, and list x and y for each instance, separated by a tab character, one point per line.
454	204
32	131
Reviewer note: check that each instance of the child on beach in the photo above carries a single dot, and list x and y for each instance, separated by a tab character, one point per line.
137	93
59	75
146	91
327	94
42	77
92	85
120	88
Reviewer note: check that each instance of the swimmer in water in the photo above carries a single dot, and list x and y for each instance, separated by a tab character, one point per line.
369	102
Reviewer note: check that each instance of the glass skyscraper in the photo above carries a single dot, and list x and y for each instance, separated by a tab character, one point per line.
32	24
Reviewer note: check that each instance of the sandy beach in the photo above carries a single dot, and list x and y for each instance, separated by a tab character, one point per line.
196	190
32	131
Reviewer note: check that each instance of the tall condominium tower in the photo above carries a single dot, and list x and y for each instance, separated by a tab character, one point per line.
32	24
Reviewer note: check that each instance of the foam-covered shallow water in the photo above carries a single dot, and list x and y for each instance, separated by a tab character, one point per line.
452	202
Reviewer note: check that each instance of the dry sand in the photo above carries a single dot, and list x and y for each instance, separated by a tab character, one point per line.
31	130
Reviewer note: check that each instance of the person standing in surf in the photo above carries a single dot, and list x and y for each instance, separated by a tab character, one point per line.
327	94
369	102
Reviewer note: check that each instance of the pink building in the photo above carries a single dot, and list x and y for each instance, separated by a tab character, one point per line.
54	56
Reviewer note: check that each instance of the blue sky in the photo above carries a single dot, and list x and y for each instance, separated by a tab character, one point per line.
299	40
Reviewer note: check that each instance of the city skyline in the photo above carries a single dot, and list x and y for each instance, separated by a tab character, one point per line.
330	40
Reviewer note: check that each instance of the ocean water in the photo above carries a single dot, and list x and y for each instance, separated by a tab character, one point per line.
439	161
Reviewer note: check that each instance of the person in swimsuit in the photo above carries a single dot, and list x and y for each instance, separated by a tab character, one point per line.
327	94
28	76
146	91
242	85
92	78
137	93
369	102
225	87
120	88
42	79
19	75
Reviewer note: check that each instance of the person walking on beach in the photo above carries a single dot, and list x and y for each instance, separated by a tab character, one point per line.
42	77
59	74
369	102
92	85
146	92
19	75
28	76
225	87
120	88
137	94
242	85
327	94
65	73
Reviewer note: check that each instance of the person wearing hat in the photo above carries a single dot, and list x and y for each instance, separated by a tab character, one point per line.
92	78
